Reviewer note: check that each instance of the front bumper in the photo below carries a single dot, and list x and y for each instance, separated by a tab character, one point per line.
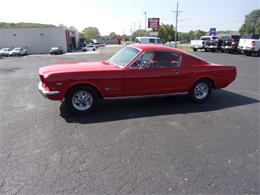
14	54
44	92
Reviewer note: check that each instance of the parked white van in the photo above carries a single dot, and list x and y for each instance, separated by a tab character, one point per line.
148	40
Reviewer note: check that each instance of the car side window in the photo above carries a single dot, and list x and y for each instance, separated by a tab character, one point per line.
143	61
151	40
157	59
164	59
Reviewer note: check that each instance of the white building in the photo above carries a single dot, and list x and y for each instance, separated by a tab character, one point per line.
39	40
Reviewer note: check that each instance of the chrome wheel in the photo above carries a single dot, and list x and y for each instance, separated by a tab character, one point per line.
201	90
82	100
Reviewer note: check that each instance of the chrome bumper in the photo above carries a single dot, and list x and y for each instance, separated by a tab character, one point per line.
44	92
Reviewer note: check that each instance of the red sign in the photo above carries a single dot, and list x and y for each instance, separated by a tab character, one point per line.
119	38
153	22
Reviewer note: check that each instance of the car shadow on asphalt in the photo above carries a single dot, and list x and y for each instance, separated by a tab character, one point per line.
114	110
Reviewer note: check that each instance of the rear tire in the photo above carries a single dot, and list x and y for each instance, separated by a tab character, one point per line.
258	53
201	91
195	50
81	99
248	53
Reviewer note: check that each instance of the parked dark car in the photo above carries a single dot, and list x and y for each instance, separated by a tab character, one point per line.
230	43
56	50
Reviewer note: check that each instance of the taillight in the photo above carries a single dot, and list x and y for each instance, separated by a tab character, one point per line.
41	77
253	43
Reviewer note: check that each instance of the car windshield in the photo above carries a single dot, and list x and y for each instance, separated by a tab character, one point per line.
124	56
17	49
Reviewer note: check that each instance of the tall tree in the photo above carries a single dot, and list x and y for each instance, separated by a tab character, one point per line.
139	33
112	35
91	33
166	32
188	36
252	23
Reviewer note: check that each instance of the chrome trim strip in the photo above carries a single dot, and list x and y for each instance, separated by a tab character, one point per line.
44	92
146	96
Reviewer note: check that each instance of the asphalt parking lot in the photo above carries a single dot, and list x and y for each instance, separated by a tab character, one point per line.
147	146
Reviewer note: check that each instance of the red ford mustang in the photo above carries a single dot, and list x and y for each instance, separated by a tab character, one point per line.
135	71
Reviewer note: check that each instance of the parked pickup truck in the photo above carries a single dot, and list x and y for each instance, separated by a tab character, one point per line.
199	44
250	44
230	43
213	44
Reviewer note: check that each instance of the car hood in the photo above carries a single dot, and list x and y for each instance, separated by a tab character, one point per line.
74	67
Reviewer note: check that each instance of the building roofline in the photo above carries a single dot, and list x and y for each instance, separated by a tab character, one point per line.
37	28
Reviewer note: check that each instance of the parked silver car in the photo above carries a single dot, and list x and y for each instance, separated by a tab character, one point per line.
18	51
5	51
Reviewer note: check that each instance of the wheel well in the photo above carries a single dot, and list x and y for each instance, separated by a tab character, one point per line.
88	85
206	78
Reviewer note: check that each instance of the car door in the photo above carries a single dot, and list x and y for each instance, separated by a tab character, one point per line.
155	72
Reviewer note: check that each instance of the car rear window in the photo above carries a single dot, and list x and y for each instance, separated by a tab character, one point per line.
250	36
205	38
225	38
235	37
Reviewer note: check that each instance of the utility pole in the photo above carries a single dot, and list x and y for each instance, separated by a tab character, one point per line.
134	26
131	31
145	19
176	24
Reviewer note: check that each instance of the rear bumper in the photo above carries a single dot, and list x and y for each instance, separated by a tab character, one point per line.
211	46
247	48
196	46
227	47
46	93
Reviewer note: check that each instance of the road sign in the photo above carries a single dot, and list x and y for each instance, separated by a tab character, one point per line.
153	34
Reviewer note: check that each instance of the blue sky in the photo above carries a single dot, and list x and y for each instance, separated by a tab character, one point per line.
122	16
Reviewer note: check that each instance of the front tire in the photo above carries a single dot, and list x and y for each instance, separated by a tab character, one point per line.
195	50
81	99
201	91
